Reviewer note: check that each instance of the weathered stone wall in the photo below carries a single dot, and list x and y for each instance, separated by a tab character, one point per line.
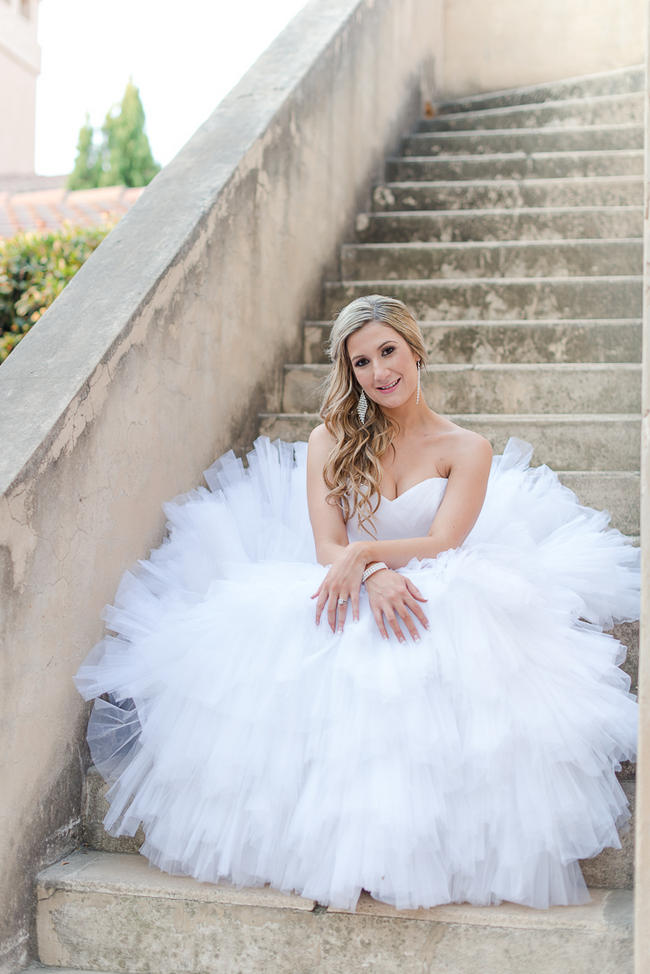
518	42
157	357
642	828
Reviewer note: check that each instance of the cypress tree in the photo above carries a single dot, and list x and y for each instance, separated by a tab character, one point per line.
124	157
127	157
87	165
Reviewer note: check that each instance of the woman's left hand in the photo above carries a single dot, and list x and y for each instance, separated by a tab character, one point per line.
343	581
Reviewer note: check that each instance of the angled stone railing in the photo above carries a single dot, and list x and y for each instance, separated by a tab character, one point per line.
157	357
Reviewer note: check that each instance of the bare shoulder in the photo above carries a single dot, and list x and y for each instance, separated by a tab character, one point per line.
469	451
320	441
319	447
320	436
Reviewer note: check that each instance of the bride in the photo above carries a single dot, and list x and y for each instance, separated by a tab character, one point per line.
378	438
374	661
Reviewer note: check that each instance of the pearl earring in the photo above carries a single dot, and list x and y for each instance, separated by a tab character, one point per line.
362	407
417	396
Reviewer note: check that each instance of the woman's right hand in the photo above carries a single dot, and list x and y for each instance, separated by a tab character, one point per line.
395	597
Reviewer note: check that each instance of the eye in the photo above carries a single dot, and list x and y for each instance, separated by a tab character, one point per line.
387	349
360	362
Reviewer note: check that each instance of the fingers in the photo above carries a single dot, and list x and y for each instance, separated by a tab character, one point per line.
320	605
400	614
336	612
379	619
331	611
397	609
334	609
409	622
414	590
415	593
391	619
417	612
354	600
403	614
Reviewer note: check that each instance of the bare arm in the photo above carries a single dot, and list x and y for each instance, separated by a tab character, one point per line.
456	516
343	580
328	526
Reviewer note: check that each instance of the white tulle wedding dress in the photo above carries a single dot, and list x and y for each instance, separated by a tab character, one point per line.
477	764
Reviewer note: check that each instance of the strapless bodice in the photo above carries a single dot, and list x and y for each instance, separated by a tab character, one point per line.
408	516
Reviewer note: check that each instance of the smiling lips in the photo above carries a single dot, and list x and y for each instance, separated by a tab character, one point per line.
389	388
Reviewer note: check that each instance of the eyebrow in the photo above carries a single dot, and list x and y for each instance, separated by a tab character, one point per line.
388	341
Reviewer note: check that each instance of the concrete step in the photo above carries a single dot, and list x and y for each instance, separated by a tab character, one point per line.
516	165
495	298
569	340
455	194
491	388
490	258
617	491
616	82
47	969
611	869
593	110
628	135
565	442
514	224
106	911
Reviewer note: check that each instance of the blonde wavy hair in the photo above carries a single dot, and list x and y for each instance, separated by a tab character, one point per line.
352	471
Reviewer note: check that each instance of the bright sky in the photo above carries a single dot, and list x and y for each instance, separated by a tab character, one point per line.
183	55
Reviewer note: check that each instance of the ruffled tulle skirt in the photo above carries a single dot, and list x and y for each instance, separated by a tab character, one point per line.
477	764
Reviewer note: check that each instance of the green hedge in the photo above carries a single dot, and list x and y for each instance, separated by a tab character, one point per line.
35	266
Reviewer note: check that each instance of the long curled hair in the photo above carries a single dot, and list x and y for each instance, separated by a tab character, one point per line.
352	471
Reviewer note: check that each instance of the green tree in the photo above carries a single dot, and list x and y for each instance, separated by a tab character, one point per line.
87	165
126	155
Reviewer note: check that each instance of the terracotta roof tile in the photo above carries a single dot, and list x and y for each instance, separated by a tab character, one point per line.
47	209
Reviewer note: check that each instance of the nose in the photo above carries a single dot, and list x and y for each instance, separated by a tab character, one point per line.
380	373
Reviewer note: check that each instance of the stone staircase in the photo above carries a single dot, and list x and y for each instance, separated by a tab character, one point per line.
512	226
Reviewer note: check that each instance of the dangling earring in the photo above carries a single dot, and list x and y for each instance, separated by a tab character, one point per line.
362	407
417	396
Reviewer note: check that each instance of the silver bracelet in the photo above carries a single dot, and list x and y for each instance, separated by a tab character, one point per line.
371	569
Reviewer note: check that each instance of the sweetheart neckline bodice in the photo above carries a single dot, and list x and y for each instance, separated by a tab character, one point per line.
391	500
408	515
